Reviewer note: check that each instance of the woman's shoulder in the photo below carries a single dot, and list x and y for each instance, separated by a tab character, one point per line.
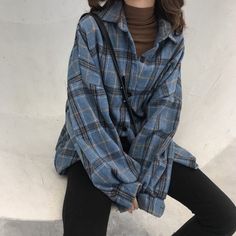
87	23
87	26
178	37
179	42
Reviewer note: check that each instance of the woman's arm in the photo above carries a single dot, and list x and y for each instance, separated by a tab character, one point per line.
161	122
91	129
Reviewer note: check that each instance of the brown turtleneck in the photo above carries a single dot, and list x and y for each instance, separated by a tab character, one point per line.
142	26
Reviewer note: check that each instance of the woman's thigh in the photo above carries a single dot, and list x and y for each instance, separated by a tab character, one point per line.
86	209
213	209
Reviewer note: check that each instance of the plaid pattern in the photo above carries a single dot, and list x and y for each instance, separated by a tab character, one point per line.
96	118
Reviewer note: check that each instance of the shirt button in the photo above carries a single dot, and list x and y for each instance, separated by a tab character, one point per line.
142	59
124	128
129	94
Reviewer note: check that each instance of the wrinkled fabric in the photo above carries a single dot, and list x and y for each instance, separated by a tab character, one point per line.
96	117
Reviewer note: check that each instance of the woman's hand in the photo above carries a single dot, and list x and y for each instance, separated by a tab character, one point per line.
134	205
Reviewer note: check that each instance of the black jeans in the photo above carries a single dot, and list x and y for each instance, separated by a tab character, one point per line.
86	209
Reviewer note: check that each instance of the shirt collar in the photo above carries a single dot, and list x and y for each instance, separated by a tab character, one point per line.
115	14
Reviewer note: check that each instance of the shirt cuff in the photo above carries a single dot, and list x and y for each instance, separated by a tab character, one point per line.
125	193
152	205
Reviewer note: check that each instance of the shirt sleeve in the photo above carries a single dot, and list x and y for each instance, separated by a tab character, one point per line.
92	131
160	124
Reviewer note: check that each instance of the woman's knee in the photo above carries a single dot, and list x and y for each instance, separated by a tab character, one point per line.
230	221
226	221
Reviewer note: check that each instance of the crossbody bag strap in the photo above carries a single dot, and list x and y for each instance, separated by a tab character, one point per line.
122	85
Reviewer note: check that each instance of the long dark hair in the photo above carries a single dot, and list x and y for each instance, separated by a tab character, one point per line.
169	10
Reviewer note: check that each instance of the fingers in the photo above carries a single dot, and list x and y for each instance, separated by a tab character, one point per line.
134	206
131	209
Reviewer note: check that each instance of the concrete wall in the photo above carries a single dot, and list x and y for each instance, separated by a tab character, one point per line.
36	39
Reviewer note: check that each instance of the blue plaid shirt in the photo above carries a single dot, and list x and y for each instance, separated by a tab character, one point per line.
96	117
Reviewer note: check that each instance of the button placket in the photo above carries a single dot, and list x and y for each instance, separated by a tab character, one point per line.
124	128
129	94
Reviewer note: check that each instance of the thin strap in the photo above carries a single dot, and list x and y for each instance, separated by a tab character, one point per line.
121	78
107	39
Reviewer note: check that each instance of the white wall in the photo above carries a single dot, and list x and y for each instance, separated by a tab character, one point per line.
208	123
35	43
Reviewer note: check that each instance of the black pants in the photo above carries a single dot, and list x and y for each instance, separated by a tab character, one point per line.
86	209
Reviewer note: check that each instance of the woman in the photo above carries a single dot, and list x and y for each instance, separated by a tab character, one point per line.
105	162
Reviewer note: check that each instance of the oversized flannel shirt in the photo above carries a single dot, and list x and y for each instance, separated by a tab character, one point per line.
96	116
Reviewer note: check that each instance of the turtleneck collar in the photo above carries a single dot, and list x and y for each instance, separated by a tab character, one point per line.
115	13
139	15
